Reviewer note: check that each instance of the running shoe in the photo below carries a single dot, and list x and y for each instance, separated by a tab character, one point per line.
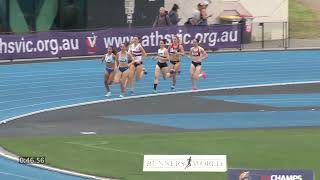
194	88
121	96
173	88
145	71
203	75
154	91
132	93
108	94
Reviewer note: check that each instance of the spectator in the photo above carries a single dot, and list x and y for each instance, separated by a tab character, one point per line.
200	16
203	17
194	20
205	4
162	19
173	15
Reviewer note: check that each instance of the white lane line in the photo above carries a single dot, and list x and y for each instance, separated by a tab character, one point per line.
87	97
224	79
79	98
105	148
248	71
60	70
237	69
18	176
254	79
47	96
46	77
35	87
234	71
56	80
266	100
48	73
53	82
282	100
26	93
6	92
208	63
160	94
50	102
183	83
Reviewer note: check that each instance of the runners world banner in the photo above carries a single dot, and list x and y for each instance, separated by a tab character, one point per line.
63	44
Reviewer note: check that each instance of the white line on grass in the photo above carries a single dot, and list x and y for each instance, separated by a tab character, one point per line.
104	148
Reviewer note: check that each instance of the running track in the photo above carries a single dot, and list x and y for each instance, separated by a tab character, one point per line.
26	88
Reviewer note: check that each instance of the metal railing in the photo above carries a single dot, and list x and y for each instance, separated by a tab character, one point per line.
264	36
284	35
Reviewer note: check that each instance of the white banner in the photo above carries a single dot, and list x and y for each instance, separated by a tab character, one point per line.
185	163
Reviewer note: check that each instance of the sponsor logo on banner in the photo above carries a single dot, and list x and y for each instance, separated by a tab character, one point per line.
256	174
91	43
63	44
185	163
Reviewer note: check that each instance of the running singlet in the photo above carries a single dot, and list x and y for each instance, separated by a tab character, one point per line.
161	53
109	59
136	52
123	58
196	53
173	49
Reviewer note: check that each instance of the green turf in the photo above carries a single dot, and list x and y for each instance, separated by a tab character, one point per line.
303	21
100	155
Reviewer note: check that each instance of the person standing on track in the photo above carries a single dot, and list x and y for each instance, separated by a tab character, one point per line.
136	67
175	50
110	59
162	58
198	54
123	58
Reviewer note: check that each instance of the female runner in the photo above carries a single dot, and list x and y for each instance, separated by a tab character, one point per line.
162	58
110	59
136	67
123	58
175	50
198	54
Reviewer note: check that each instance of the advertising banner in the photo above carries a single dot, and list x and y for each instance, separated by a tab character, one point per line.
274	174
64	44
185	163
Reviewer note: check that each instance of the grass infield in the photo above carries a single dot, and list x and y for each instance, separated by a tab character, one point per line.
122	156
303	21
